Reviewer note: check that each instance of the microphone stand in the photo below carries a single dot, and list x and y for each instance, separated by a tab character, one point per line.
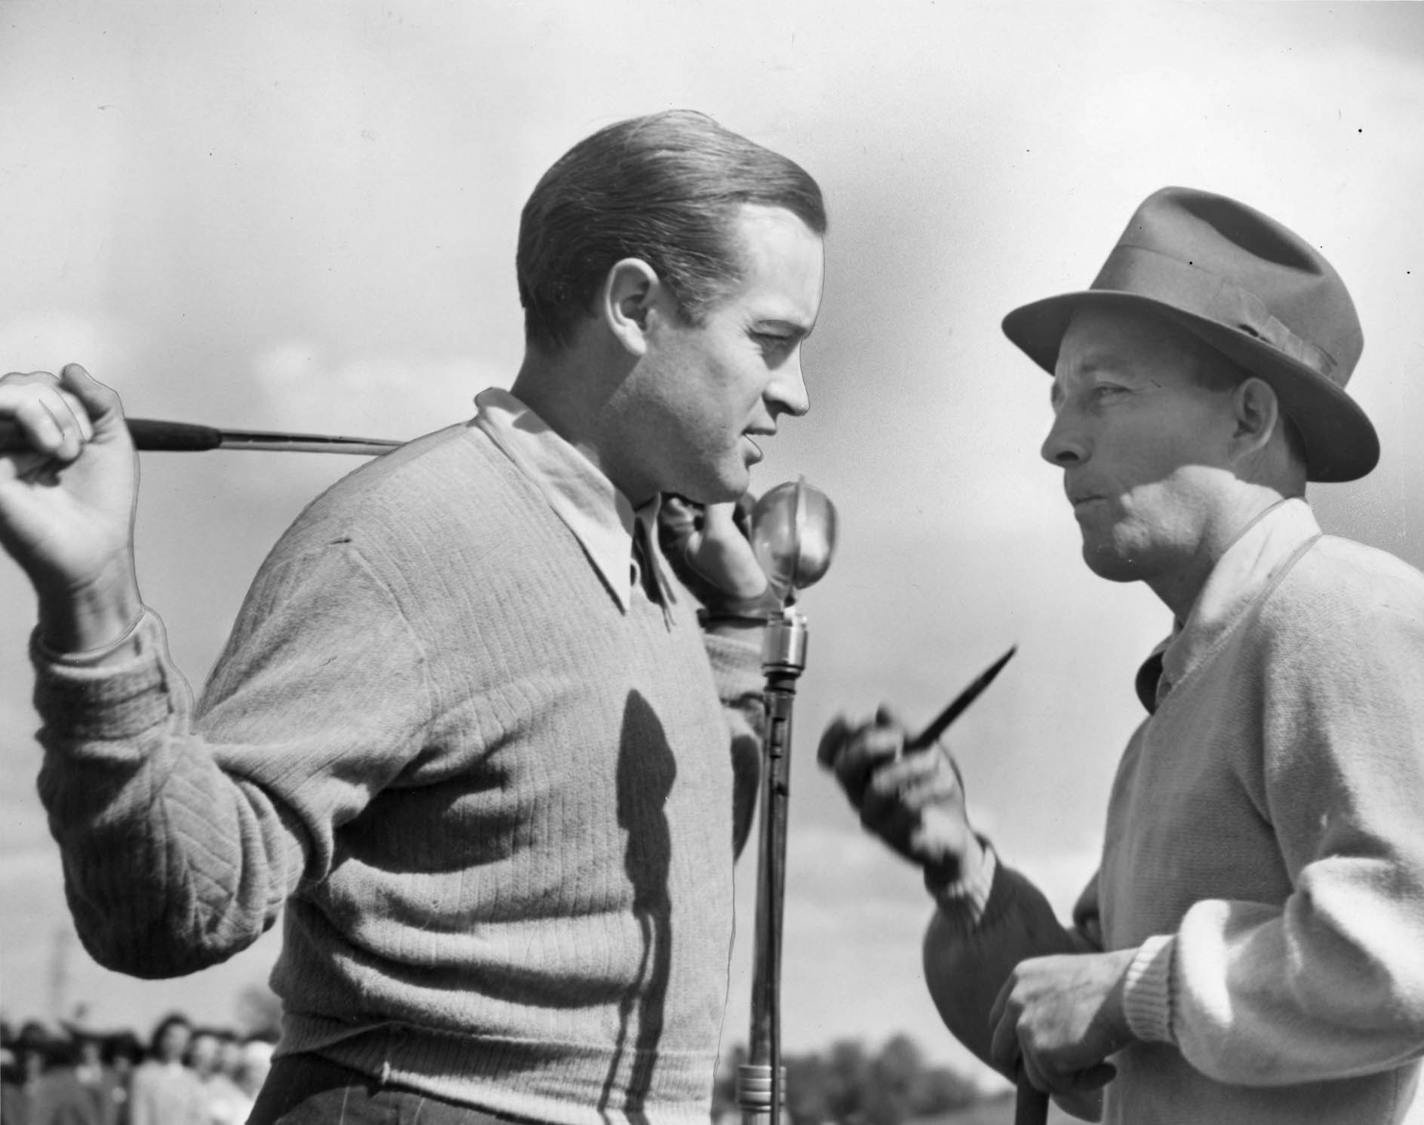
760	1080
793	533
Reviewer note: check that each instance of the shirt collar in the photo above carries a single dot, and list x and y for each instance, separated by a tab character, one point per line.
601	518
1248	570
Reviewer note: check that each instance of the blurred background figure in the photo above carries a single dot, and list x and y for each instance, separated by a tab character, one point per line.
27	1058
77	1088
215	1056
165	1091
122	1053
254	1061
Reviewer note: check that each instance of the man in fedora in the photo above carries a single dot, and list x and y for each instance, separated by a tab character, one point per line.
1251	948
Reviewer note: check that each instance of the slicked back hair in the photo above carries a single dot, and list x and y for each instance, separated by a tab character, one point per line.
662	188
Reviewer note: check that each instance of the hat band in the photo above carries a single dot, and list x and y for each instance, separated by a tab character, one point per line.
1144	272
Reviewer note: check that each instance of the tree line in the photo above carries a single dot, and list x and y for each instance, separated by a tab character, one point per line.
852	1085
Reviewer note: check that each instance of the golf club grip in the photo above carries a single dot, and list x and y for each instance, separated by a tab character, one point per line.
184	437
146	433
1030	1103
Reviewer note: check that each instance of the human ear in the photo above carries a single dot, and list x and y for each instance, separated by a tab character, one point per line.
1257	413
629	293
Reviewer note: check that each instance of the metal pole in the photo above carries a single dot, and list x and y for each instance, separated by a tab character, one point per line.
793	532
761	1080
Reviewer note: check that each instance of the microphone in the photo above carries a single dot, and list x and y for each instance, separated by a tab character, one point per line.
793	533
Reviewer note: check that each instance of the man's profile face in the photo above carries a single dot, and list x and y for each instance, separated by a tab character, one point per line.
707	394
1143	444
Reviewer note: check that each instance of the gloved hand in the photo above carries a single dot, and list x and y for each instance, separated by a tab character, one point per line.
912	799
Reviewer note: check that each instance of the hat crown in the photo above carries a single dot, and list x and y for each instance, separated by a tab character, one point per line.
1252	255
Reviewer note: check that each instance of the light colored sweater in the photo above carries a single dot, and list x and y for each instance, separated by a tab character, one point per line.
494	794
1264	851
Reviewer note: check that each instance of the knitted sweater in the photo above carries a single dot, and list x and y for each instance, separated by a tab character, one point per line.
1264	851
496	804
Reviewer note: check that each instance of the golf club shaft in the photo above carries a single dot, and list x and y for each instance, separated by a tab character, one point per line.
1030	1104
960	703
150	434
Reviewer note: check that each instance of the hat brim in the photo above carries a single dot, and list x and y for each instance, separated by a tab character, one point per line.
1340	441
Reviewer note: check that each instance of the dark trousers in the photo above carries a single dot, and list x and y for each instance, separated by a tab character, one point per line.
306	1090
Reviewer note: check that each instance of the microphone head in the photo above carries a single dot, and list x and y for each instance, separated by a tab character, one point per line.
793	532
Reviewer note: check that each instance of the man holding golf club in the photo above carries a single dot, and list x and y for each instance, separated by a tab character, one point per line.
1251	948
466	735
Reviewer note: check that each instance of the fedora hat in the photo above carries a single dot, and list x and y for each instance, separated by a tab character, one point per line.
1247	287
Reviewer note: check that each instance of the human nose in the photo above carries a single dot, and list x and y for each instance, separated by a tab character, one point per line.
1066	443
786	392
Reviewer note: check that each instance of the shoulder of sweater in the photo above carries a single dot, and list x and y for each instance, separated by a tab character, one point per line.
452	482
1341	588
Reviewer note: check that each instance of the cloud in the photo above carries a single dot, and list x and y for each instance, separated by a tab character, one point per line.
296	381
45	339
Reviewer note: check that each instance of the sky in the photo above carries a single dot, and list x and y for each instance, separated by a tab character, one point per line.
302	216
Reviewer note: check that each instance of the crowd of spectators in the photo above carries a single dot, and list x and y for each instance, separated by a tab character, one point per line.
84	1075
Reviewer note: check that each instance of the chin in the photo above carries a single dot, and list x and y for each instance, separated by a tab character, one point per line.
720	487
709	492
1112	565
726	494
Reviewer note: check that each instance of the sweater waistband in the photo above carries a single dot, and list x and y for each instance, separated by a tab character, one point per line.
532	1080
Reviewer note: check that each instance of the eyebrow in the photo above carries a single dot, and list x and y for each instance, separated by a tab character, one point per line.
1093	365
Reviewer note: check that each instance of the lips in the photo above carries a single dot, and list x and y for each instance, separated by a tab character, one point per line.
752	435
1080	497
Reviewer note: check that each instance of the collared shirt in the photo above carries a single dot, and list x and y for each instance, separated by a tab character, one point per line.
602	519
1256	560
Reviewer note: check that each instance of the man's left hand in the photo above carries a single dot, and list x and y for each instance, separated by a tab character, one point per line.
1060	1018
709	549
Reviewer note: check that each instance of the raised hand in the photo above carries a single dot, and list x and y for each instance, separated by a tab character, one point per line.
67	504
709	549
913	800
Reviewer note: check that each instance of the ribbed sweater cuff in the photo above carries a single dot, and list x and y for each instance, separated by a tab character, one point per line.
964	903
113	701
1147	990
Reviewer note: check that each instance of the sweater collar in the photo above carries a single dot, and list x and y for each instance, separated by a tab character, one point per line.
1248	570
601	518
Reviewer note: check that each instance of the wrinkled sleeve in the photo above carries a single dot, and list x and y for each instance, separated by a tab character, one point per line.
982	927
1330	983
183	831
